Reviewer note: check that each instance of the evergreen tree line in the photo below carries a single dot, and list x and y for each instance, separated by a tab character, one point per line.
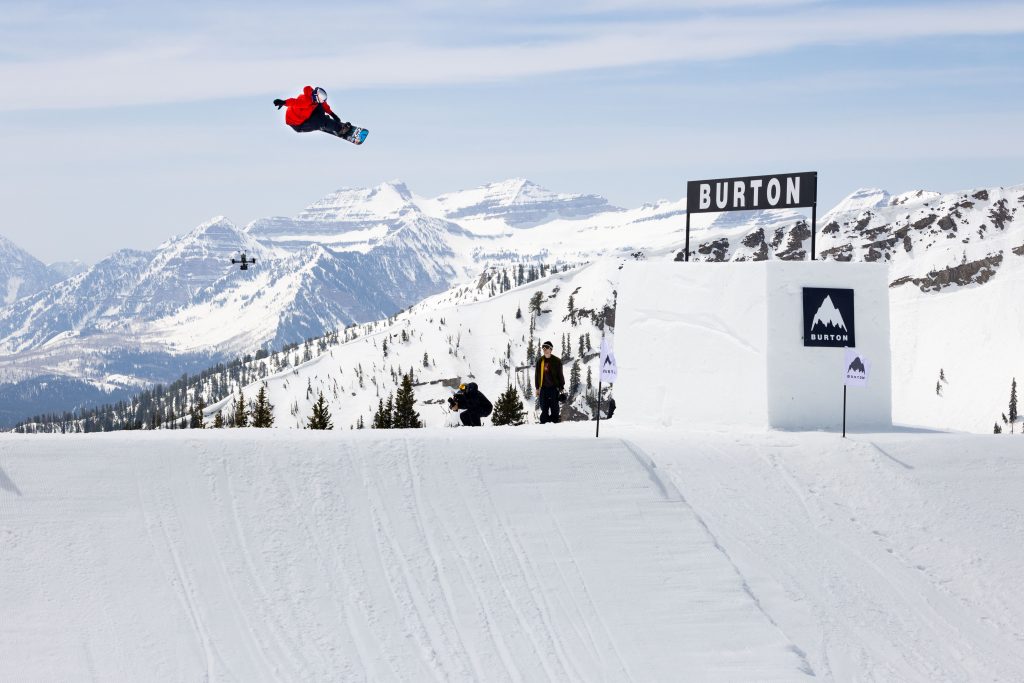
174	406
500	281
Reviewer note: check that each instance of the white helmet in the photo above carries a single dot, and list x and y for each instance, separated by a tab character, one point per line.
319	95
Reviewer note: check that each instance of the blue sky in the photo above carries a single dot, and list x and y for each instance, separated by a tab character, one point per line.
124	123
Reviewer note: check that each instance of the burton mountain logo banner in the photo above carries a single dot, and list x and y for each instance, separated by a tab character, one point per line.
609	369
855	369
828	317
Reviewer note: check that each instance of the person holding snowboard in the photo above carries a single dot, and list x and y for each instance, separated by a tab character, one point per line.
310	111
549	382
473	404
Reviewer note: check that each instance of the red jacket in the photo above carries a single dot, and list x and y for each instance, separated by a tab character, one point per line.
300	108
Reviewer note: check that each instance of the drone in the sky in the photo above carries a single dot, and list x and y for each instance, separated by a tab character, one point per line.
244	261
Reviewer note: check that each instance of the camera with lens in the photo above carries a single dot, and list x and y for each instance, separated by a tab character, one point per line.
453	402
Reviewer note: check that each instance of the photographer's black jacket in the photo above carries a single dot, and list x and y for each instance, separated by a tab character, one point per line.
474	401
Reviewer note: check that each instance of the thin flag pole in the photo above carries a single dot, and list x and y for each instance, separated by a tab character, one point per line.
687	254
844	411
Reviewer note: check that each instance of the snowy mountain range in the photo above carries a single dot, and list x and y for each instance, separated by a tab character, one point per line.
362	255
21	274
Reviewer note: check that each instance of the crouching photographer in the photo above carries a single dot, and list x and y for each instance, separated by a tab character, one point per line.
473	404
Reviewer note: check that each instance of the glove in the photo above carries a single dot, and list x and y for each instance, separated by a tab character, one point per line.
278	103
563	397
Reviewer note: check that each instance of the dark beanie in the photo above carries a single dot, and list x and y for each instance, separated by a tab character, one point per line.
548	345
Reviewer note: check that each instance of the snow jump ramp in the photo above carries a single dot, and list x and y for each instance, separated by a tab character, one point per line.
250	555
724	344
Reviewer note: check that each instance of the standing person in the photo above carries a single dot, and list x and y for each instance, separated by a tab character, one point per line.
549	382
310	111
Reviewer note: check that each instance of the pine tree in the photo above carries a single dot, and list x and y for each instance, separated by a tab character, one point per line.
405	415
218	420
997	429
321	418
535	302
572	310
938	388
196	418
1013	404
508	410
262	410
574	378
360	424
519	313
383	417
426	361
241	415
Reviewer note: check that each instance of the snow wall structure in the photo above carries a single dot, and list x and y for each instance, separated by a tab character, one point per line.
723	344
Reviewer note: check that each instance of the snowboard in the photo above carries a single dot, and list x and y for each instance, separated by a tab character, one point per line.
357	135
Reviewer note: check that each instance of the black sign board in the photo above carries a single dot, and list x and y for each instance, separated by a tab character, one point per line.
828	317
751	193
781	191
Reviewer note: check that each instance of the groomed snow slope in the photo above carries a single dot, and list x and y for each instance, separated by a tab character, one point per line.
532	553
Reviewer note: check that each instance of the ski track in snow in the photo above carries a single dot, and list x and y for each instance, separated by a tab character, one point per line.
534	554
874	613
671	492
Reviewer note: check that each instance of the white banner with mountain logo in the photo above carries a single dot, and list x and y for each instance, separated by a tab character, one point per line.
855	369
609	370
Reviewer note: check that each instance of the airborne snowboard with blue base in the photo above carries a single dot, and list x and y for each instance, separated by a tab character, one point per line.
356	136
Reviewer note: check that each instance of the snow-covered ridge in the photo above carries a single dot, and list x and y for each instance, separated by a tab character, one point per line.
867	198
21	274
518	202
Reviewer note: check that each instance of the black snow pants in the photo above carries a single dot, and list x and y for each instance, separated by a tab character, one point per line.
321	120
549	405
470	418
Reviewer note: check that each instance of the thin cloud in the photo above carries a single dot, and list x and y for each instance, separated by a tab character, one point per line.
197	67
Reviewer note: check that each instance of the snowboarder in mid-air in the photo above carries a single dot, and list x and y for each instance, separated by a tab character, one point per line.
310	111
